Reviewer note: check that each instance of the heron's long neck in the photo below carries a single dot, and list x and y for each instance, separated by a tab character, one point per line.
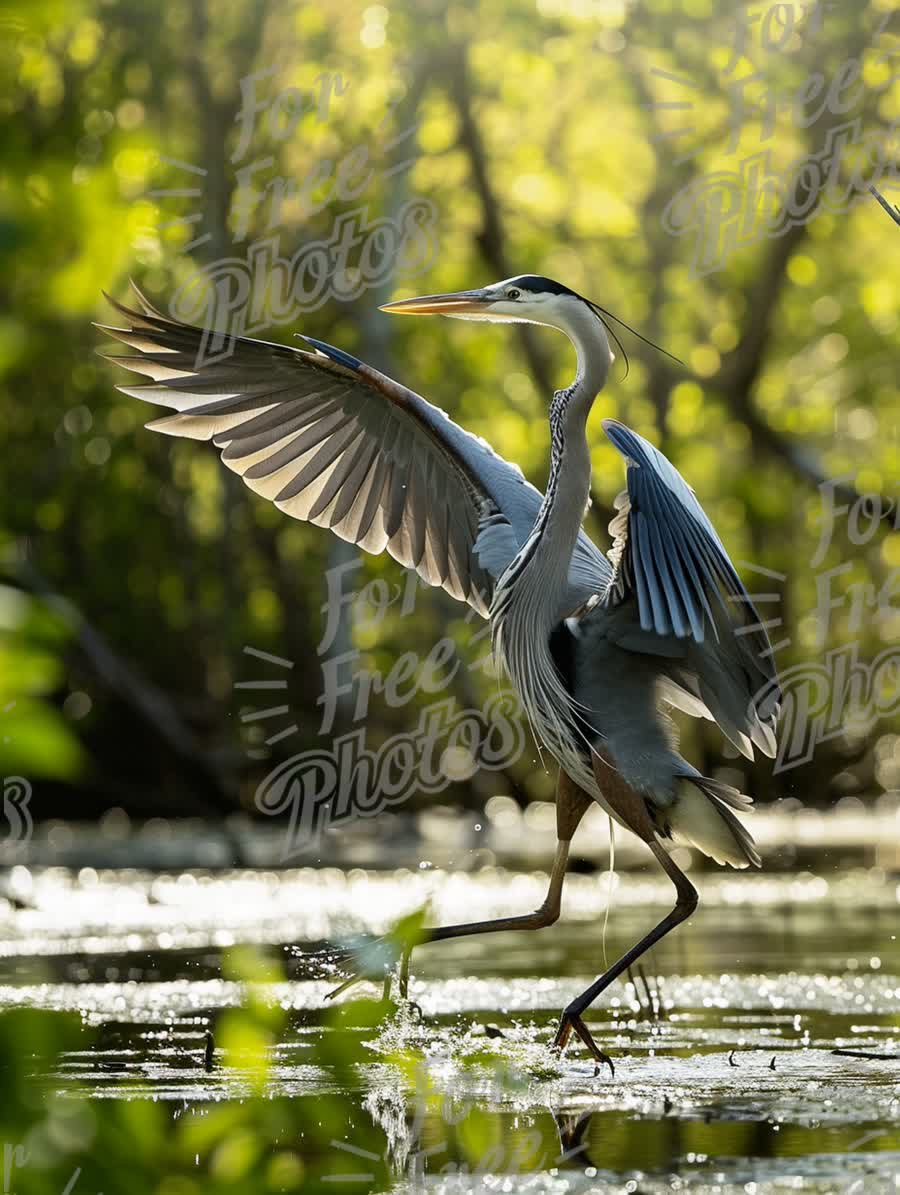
533	594
545	558
558	523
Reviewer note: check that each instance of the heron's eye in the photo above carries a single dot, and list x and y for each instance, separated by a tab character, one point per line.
513	293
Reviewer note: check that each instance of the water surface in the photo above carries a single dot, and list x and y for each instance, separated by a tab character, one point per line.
726	1073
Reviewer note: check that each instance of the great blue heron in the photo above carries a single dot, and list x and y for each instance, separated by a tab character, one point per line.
596	644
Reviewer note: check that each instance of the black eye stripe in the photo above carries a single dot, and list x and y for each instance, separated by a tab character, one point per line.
537	284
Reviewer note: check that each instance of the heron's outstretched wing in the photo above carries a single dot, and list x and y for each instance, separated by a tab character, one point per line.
692	607
331	440
667	552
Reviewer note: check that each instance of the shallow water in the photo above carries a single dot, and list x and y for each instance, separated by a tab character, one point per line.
726	1077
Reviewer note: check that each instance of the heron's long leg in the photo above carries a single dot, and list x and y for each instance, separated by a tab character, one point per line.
632	808
571	805
685	905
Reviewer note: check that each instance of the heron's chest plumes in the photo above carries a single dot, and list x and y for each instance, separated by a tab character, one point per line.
529	595
521	643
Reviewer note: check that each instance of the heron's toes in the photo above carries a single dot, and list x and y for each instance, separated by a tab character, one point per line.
572	1021
377	961
346	984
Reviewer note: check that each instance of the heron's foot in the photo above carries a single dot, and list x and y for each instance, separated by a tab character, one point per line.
377	960
571	1021
393	999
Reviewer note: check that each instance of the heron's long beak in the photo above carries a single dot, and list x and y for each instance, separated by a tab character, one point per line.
462	302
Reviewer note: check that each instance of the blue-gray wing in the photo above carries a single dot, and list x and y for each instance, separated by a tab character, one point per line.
335	442
665	550
693	610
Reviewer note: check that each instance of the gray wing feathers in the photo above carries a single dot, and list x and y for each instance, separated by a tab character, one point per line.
496	544
693	611
332	441
724	799
325	443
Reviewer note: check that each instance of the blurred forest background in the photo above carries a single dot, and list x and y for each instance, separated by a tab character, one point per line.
550	136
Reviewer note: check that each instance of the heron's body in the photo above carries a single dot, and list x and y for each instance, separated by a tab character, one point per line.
620	671
597	645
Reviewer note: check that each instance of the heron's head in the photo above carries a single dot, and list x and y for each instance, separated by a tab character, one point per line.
529	299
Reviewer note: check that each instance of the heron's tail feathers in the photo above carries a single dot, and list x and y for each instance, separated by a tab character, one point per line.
701	815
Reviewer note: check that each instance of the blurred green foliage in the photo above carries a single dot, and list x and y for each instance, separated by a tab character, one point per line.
51	1136
36	739
542	144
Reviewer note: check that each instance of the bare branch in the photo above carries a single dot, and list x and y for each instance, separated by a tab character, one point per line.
893	212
